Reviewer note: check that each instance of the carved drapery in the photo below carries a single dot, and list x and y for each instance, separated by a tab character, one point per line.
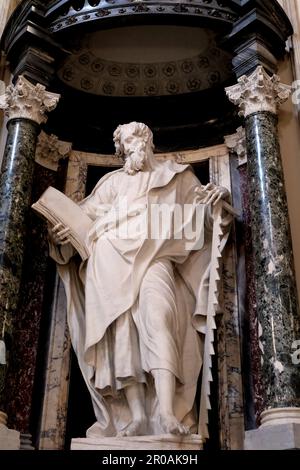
230	407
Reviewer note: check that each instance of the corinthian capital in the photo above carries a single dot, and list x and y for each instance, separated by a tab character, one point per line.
237	144
258	92
28	101
50	150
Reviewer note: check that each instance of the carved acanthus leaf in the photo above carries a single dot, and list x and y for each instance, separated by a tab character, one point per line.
27	101
258	92
237	143
50	150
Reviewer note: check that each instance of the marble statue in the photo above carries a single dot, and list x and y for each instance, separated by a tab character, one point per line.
137	308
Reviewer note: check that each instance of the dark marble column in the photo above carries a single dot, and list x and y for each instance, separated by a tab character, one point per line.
15	192
252	378
31	325
26	106
276	290
259	97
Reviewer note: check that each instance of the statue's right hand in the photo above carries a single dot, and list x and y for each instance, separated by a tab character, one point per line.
59	234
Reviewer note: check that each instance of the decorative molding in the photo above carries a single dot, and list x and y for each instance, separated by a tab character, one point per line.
279	416
184	157
252	53
258	92
236	143
26	442
76	176
36	64
27	101
258	37
90	73
212	10
50	150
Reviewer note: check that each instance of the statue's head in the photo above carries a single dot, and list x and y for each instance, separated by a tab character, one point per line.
134	143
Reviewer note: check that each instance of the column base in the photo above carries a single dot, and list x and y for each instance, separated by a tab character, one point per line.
9	439
26	442
279	430
164	442
278	416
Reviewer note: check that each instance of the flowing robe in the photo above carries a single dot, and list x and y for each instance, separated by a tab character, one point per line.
139	303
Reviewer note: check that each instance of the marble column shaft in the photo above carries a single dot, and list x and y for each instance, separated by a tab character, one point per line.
15	194
259	97
276	290
15	191
25	105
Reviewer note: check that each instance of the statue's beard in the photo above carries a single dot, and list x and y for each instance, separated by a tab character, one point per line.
135	161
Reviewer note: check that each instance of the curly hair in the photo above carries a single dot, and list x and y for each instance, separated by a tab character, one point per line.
139	129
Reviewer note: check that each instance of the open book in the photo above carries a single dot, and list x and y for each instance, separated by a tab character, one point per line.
57	208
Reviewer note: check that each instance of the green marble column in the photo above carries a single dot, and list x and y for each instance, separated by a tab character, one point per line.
15	192
259	97
25	106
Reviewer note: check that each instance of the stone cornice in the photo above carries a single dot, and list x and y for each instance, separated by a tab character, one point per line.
211	10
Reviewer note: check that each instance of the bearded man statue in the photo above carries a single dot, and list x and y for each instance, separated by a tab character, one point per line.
137	308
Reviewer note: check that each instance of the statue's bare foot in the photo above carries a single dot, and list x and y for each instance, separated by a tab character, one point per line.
171	425
135	428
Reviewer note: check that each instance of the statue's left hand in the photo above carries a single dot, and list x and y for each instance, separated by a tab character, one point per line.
59	234
212	194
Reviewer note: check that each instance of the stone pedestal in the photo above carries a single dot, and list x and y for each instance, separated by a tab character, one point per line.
165	442
278	437
9	439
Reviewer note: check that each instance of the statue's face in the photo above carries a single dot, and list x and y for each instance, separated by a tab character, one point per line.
131	142
135	150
